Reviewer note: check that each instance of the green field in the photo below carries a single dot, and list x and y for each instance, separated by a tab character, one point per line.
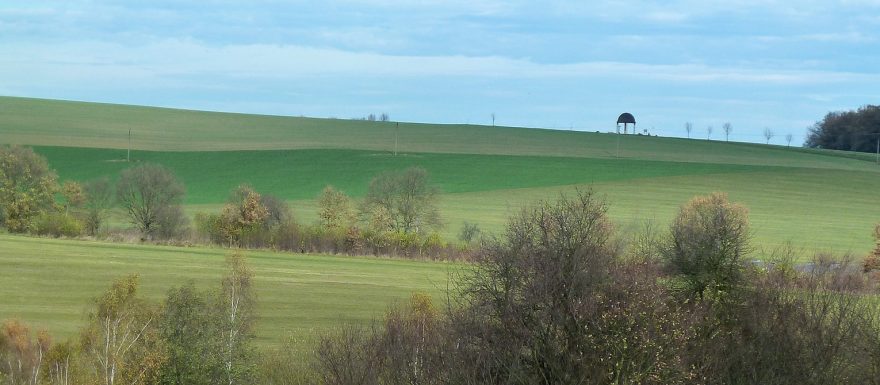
816	200
49	283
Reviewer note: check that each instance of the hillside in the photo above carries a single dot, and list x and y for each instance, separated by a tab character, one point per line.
80	124
814	199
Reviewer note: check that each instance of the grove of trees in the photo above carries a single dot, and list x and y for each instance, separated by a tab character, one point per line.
855	130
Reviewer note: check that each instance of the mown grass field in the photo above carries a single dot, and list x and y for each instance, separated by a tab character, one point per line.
50	283
816	200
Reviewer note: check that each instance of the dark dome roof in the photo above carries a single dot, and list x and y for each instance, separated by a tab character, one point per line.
626	117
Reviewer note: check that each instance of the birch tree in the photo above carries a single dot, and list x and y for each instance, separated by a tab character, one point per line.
121	341
21	357
238	300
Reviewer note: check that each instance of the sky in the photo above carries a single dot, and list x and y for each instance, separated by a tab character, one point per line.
557	64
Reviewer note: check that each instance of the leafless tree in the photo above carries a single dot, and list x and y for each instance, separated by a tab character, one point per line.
709	133
493	119
788	138
151	196
407	197
384	117
371	117
689	127
728	128
768	134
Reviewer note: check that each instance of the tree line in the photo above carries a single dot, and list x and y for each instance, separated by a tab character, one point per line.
398	216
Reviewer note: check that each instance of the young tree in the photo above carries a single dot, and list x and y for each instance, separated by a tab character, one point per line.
709	133
243	215
74	196
98	201
237	301
151	195
190	325
788	138
709	238
27	187
533	295
689	127
768	134
728	128
60	363
407	197
121	340
335	209
21	357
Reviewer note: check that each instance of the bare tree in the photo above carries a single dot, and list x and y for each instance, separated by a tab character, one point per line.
728	128
99	200
689	127
371	117
493	119
768	134
788	138
407	197
384	117
709	133
151	196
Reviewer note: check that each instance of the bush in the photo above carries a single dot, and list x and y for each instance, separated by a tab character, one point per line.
57	224
708	242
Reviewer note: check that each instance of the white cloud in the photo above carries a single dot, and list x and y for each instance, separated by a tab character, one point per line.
179	60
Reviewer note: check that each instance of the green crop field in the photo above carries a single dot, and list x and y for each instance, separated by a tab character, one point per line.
816	200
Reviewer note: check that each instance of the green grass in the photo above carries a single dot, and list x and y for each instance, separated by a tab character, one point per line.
50	283
815	199
816	209
79	124
302	174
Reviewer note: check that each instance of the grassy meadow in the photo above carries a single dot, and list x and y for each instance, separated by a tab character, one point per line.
816	200
50	283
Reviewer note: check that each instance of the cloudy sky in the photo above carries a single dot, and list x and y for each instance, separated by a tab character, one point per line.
557	64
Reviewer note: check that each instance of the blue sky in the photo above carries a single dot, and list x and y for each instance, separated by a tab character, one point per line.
557	64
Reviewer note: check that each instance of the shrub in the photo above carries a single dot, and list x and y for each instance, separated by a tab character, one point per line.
707	244
469	233
57	224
